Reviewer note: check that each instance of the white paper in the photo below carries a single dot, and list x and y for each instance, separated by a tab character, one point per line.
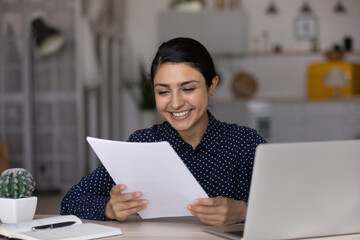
156	170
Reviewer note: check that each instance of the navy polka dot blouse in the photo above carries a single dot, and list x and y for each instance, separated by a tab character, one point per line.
222	163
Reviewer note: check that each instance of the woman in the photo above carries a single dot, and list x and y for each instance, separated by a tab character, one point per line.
219	155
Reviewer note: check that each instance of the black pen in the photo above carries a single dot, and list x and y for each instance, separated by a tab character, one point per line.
53	225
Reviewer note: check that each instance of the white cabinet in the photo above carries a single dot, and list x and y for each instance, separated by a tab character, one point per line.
295	121
315	121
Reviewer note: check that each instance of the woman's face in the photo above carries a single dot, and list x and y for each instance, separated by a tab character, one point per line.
181	96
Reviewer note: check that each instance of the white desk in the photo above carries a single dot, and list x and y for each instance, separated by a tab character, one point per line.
188	228
162	228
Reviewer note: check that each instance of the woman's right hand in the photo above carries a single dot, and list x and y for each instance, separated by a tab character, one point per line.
120	206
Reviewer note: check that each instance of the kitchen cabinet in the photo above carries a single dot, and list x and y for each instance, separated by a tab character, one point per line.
219	31
315	121
295	120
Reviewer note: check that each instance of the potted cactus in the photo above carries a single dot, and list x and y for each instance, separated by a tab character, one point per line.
16	202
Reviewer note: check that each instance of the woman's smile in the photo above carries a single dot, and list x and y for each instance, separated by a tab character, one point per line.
181	115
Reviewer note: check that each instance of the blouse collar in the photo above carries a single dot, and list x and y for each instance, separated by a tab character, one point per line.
211	138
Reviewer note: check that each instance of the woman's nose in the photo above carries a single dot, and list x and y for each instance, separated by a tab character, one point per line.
176	101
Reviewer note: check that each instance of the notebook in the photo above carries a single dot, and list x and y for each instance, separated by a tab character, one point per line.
302	190
49	229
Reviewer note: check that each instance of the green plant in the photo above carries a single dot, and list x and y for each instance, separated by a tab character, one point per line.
147	101
16	183
142	90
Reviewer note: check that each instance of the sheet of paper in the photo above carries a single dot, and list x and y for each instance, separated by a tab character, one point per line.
156	170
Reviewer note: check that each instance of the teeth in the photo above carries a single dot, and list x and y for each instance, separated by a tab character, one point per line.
180	113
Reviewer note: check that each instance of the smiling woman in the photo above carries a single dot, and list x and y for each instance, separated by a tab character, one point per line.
182	99
218	154
183	80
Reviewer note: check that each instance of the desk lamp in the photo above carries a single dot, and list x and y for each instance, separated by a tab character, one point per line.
48	40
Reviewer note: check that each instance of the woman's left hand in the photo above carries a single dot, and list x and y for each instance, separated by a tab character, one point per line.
218	211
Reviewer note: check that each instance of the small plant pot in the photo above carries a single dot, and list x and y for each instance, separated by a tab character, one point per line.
17	210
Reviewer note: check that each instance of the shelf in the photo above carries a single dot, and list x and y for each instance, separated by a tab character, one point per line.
352	99
290	53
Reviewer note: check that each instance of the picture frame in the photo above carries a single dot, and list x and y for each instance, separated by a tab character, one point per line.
305	27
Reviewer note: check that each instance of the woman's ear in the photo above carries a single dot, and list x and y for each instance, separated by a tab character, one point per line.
214	83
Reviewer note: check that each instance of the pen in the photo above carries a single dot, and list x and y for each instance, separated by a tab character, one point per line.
53	225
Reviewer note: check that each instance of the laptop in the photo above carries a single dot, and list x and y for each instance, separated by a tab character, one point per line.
302	190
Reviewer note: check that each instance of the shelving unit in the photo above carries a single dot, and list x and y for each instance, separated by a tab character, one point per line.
41	108
46	106
287	53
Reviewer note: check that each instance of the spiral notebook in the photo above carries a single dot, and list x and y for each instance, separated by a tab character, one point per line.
75	231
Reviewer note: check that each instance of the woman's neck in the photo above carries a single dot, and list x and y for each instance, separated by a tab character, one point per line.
194	135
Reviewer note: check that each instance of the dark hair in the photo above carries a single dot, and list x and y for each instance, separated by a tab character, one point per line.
185	50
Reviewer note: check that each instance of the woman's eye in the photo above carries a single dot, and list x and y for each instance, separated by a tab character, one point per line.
162	92
188	89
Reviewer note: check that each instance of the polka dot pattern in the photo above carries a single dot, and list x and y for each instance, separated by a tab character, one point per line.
222	163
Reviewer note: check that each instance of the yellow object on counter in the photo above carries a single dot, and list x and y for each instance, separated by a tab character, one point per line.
333	79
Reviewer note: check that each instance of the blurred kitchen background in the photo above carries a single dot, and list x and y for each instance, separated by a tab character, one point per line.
75	68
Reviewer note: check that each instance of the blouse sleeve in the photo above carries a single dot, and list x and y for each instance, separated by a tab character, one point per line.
254	140
87	198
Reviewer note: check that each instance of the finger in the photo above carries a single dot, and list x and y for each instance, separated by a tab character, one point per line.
129	196
134	210
117	189
129	205
122	215
209	201
202	209
211	219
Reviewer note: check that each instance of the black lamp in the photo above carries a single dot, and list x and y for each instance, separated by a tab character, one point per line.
305	8
272	9
48	40
339	8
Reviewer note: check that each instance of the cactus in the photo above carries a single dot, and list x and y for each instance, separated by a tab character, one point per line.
16	183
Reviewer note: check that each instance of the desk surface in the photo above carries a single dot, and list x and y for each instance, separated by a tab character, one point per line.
189	228
175	228
164	228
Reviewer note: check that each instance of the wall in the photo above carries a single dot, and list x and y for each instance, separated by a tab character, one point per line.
278	76
140	45
332	27
284	76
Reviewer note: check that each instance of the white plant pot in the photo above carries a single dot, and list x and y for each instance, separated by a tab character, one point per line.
17	210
